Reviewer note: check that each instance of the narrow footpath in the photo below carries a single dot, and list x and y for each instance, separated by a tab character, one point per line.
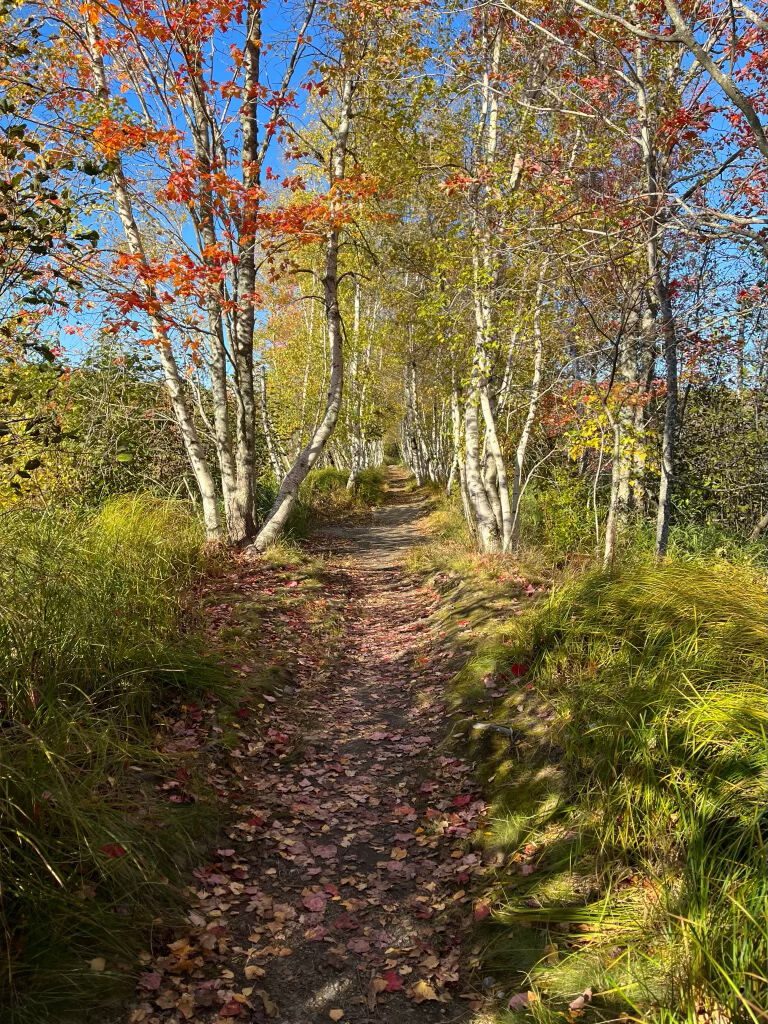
344	892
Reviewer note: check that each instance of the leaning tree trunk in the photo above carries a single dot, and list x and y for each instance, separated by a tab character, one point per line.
289	488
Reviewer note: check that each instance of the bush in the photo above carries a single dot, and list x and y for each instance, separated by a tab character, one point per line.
324	495
370	487
555	515
638	790
90	613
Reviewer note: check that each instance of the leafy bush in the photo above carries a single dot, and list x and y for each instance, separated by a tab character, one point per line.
637	791
90	612
555	514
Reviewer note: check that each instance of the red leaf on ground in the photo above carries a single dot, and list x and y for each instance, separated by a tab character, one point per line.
231	1009
113	850
315	901
358	945
393	980
481	911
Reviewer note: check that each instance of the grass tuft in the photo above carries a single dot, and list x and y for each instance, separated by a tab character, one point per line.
629	805
91	607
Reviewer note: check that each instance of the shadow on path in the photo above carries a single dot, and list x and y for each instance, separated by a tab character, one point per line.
344	889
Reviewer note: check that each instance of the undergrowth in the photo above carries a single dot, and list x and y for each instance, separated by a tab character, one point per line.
558	522
623	741
90	615
324	496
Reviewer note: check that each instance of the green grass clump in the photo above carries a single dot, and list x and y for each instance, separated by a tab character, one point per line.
324	495
633	791
369	486
90	614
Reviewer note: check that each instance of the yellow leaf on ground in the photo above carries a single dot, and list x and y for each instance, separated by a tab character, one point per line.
270	1006
336	1014
421	991
98	964
186	1006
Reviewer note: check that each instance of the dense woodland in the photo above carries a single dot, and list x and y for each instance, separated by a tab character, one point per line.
251	253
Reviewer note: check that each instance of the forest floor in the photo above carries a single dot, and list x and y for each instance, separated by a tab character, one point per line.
343	887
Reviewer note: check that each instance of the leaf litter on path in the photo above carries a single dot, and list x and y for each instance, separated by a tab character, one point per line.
343	889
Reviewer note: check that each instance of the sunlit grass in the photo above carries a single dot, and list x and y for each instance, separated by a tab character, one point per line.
91	610
628	818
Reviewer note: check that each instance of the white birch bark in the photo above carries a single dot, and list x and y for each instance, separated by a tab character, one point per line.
534	397
171	375
289	488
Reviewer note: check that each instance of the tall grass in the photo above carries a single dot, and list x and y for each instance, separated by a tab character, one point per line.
635	790
90	614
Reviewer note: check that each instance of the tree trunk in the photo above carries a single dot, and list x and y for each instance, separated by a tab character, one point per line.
669	335
656	224
173	382
488	493
483	517
518	474
612	522
289	489
274	453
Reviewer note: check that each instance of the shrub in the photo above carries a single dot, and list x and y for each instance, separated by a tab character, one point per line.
370	486
555	514
323	495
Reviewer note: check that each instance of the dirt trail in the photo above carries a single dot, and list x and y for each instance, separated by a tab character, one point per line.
351	860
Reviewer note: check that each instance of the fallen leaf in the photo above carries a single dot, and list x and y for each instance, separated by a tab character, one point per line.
481	910
358	945
270	1006
376	986
336	1014
422	991
393	980
99	964
113	850
315	901
581	1001
186	1006
521	1000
